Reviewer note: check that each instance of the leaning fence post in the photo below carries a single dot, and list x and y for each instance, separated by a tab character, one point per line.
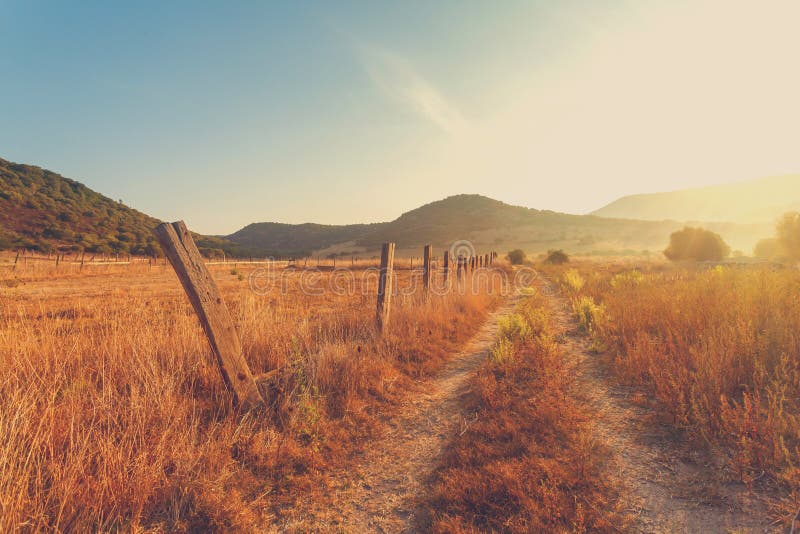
214	316
385	285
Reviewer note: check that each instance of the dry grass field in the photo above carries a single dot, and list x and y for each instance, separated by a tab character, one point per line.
471	412
713	352
114	415
531	460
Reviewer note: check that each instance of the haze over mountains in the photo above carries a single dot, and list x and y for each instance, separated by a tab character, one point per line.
755	201
42	210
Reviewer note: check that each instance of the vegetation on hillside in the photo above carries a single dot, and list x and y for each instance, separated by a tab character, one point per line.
43	211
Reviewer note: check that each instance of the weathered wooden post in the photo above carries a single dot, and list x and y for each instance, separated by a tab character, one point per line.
214	316
426	268
446	266
460	268
57	257
385	285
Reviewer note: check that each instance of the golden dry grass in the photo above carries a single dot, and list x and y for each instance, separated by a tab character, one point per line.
717	348
114	415
529	460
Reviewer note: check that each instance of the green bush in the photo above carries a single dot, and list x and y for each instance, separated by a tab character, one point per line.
769	249
788	231
556	257
696	244
516	256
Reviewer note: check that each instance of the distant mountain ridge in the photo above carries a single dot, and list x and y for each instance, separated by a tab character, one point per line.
42	210
755	201
486	223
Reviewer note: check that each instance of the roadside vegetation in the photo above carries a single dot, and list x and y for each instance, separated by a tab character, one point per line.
526	460
716	351
115	417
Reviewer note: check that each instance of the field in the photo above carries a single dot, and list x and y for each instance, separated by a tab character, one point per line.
712	352
536	409
116	416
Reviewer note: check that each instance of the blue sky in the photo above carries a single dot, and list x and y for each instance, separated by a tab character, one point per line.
225	113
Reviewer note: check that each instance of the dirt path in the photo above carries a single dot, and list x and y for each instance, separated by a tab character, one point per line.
671	489
382	493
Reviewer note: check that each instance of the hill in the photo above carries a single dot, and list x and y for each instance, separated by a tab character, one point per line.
44	211
487	224
297	239
756	201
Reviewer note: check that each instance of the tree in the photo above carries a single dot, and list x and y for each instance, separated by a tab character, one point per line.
788	231
696	244
516	256
556	257
768	249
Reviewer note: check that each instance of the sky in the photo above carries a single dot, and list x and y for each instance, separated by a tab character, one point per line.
227	113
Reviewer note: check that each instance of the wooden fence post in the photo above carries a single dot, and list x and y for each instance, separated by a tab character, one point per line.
214	316
446	266
426	268
385	285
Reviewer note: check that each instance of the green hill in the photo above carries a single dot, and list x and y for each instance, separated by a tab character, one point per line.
489	225
297	239
44	211
756	201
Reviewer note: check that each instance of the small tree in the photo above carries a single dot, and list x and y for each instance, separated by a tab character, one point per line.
768	249
516	256
696	244
556	257
788	231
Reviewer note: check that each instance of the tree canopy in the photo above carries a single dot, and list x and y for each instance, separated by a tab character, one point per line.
696	244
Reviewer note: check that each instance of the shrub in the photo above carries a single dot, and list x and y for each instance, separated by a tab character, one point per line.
768	249
573	280
514	327
788	231
587	312
516	256
696	244
556	257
